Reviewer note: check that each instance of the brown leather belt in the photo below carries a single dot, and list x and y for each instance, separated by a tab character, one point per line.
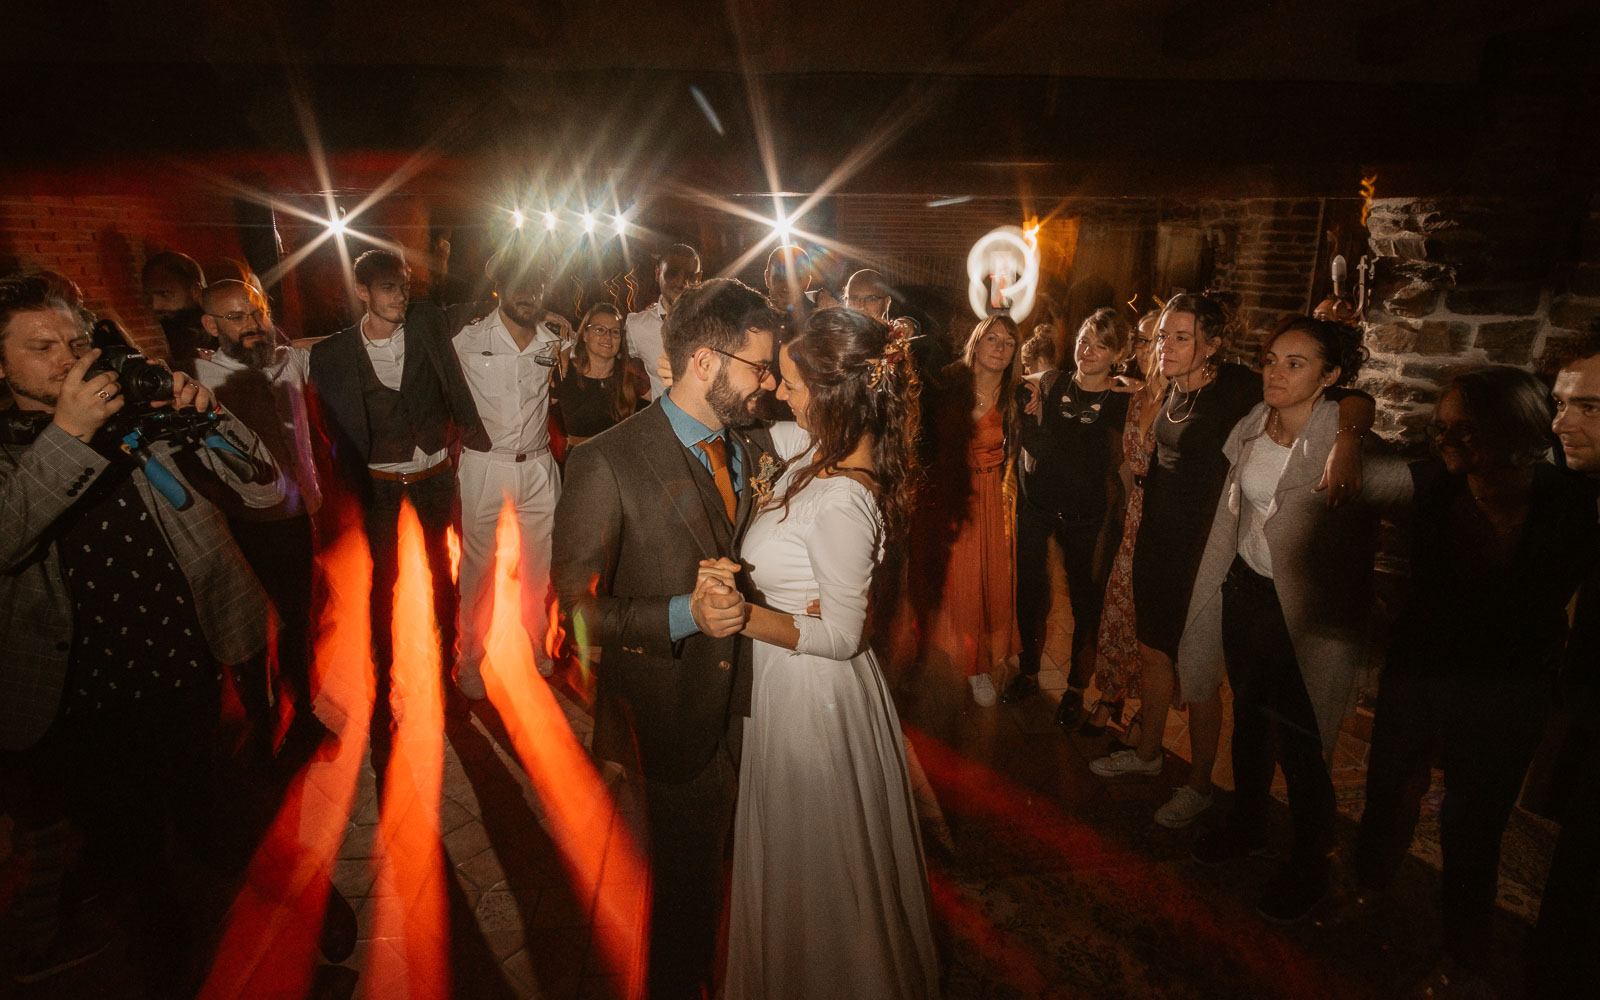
404	478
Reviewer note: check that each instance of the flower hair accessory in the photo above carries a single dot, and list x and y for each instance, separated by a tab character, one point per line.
894	352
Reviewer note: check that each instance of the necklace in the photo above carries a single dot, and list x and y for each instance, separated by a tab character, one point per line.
1192	400
1275	429
1075	407
986	398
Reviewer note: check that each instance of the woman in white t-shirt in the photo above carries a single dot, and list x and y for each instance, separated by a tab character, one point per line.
1284	596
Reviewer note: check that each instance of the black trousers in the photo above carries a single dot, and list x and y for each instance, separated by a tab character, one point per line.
1486	728
689	826
1086	584
1273	720
280	554
1566	942
434	501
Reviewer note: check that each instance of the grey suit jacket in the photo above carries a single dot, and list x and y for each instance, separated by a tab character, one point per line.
637	514
39	482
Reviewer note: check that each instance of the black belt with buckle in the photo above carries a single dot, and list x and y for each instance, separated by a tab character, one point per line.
406	478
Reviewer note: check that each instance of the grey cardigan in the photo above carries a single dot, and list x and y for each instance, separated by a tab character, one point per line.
1322	562
38	483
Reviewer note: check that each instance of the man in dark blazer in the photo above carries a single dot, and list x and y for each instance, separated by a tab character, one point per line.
643	503
393	399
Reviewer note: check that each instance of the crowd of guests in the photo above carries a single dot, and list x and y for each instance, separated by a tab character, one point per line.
1215	524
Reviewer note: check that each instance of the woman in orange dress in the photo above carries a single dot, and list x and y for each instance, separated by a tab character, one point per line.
967	547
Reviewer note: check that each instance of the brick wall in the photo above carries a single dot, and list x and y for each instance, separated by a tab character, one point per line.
101	241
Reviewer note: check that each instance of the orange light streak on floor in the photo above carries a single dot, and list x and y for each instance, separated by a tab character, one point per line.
269	943
410	952
601	859
1118	871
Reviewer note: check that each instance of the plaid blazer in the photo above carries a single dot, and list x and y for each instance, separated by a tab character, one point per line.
39	482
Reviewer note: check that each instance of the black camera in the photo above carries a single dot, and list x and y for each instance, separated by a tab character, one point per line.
143	381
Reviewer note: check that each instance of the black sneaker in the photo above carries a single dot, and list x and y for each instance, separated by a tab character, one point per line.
1021	686
1225	843
1291	895
1070	714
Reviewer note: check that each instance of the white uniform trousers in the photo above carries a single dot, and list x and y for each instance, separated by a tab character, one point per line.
489	481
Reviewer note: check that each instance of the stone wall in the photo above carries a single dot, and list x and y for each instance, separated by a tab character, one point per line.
1463	282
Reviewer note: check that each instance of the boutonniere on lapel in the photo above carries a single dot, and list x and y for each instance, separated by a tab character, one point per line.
761	483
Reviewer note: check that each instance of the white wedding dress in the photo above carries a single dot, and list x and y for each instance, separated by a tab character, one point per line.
830	892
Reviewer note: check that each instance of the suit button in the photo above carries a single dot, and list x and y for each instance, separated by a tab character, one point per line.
724	665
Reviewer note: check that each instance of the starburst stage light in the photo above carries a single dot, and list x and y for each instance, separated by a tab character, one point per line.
517	218
550	221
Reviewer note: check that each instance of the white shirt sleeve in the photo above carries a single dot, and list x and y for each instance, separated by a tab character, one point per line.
843	548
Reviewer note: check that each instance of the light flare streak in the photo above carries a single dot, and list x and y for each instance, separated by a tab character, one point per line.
270	934
602	861
410	955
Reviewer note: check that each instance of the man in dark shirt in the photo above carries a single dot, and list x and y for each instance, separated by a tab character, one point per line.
172	284
1566	951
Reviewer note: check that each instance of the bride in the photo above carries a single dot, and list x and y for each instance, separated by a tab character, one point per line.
830	893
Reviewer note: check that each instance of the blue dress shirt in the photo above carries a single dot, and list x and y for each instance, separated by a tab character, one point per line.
690	432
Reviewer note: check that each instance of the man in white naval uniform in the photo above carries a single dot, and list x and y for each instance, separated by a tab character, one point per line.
679	269
509	359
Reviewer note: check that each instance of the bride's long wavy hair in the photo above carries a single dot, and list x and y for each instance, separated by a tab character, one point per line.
837	354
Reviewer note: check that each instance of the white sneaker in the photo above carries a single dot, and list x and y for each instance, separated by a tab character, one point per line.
982	690
1125	762
469	681
1182	809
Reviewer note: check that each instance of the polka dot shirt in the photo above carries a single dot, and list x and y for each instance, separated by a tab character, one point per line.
136	635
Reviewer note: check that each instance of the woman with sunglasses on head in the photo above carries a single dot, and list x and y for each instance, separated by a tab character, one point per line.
1070	436
1205	398
599	389
1498	540
1284	597
962	544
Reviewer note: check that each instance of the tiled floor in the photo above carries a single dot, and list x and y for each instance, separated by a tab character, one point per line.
1060	884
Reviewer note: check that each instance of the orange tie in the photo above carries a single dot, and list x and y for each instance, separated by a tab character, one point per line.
717	453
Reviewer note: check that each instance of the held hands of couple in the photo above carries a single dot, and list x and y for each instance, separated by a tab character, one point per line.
716	604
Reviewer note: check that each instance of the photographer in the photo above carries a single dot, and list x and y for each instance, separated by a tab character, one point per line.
122	594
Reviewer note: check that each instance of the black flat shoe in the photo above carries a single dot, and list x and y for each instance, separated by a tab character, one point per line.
1021	686
1070	713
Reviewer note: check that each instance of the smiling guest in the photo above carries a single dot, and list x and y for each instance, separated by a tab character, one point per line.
677	271
394	398
1498	540
509	359
1563	959
1284	594
963	546
1070	492
600	389
262	381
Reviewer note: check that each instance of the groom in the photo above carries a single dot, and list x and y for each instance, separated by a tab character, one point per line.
642	504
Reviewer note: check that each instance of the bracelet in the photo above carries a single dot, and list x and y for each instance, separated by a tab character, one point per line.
1359	432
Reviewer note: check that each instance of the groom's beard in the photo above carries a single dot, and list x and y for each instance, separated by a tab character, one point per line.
730	407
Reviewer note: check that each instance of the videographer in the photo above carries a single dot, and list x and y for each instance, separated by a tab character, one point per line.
122	596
